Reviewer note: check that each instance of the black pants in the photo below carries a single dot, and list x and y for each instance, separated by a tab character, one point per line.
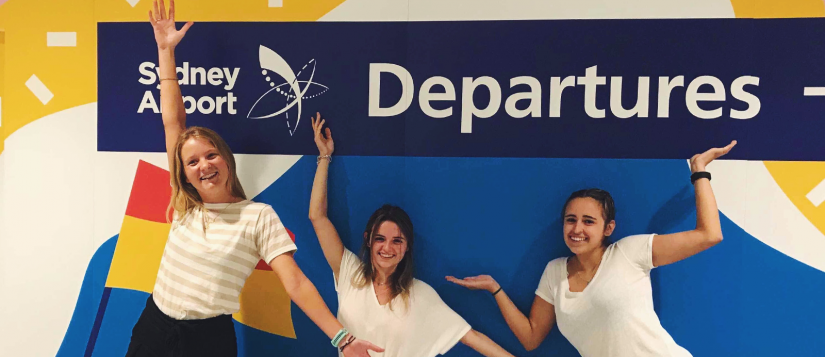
157	335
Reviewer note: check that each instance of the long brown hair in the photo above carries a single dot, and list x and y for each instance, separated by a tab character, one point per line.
401	279
185	197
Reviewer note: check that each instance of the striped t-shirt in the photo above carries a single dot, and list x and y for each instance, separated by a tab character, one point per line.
209	255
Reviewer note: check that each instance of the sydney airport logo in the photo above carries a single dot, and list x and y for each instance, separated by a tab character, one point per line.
290	91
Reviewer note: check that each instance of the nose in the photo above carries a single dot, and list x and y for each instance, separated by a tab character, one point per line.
578	228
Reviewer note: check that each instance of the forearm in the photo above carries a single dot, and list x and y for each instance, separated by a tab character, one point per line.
516	320
318	199
171	100
707	213
484	345
306	296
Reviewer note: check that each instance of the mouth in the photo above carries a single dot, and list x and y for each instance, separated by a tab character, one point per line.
209	176
385	255
578	239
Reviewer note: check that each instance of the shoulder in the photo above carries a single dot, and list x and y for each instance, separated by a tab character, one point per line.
634	242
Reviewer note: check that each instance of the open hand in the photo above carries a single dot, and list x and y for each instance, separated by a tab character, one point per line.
325	144
166	35
699	161
481	282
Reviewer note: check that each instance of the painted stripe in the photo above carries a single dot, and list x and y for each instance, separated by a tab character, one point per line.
39	89
101	310
61	39
817	195
133	2
276	3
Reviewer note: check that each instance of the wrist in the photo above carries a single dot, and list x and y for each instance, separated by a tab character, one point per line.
495	288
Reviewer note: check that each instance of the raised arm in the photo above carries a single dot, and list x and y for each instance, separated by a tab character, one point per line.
530	331
171	101
671	248
327	235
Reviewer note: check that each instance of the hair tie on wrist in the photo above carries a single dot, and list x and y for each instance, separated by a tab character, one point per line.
698	175
497	291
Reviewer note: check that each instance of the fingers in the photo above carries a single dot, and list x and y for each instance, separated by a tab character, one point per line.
186	27
329	134
152	18
163	11
157	12
375	348
172	10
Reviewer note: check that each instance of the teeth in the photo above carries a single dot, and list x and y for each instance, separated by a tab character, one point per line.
209	176
385	255
577	239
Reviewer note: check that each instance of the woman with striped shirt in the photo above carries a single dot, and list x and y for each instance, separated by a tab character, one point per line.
216	240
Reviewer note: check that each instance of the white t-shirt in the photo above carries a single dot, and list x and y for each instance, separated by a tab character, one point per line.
613	316
428	328
202	271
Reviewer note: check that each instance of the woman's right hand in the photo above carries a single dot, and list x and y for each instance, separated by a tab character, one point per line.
360	348
325	144
166	35
480	282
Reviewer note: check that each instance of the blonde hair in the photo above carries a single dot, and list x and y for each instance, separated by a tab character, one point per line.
185	197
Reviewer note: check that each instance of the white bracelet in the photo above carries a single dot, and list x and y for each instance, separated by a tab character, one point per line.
328	157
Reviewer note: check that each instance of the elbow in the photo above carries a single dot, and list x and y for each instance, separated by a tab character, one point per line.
714	238
315	216
530	345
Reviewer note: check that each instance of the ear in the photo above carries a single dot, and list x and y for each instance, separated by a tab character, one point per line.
609	229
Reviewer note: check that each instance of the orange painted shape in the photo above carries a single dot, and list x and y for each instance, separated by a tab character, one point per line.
151	193
797	179
265	305
778	8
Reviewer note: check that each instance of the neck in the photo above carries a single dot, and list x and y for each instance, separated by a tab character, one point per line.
590	261
382	276
224	197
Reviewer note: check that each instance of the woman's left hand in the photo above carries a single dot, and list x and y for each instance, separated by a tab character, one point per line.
325	144
699	161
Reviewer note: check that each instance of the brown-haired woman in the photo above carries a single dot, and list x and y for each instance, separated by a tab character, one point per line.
216	240
601	297
378	298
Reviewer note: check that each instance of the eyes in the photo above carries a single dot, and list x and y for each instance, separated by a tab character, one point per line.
396	240
210	156
587	221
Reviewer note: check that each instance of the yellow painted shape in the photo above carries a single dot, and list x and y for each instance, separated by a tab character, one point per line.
2	79
796	179
70	73
778	8
137	254
265	304
218	10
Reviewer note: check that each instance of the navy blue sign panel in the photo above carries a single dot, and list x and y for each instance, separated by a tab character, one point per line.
579	89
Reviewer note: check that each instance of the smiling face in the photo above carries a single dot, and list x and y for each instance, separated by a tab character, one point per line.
388	247
584	225
205	169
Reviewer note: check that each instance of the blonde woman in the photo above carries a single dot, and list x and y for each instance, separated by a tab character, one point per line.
217	238
378	298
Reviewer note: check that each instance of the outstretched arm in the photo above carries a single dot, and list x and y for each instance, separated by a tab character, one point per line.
530	331
304	294
327	235
171	101
671	248
484	345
